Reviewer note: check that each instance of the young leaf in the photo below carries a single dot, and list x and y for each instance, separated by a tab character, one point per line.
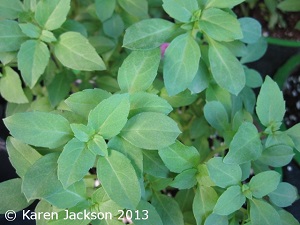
33	58
220	25
258	185
148	34
284	195
270	107
277	155
182	99
263	213
11	36
233	195
139	70
179	157
110	116
10	191
84	101
185	180
251	29
294	134
105	9
226	69
204	203
222	4
245	146
154	218
74	51
39	128
253	78
119	179
74	162
224	175
146	102
135	8
216	115
167	209
10	9
149	130
30	30
215	219
40	175
21	156
181	63
98	145
51	14
11	87
181	10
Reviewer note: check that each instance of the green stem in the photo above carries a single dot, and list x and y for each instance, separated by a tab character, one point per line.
282	42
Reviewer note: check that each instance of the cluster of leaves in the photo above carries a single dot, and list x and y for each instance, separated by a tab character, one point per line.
146	127
276	9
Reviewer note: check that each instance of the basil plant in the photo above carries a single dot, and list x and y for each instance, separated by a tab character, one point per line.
142	110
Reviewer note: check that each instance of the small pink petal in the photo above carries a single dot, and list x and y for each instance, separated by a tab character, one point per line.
163	48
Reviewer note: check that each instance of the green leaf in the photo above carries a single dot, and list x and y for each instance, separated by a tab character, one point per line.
251	29
284	195
148	34
135	8
153	165
223	4
263	213
245	146
216	115
51	14
253	78
104	203
277	155
289	6
147	102
270	107
131	152
11	87
105	9
220	25
84	101
30	30
40	175
287	218
233	195
119	179
149	130
181	62
59	88
39	128
30	5
226	69
21	156
254	51
181	10
114	26
74	162
294	134
10	9
33	58
214	219
167	209
224	175
74	51
264	183
11	36
204	203
139	70
201	80
12	197
102	44
179	157
153	219
110	116
185	180
98	145
182	99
